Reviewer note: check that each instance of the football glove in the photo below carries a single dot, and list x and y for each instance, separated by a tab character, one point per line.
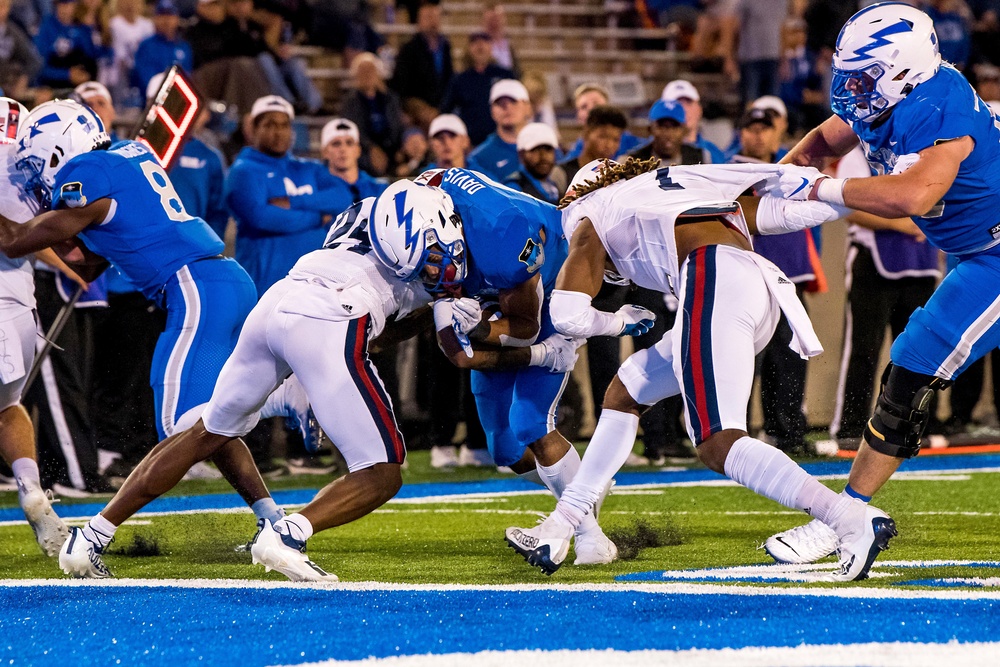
635	320
558	353
463	314
792	182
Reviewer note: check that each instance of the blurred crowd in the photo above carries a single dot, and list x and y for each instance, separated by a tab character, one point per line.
408	110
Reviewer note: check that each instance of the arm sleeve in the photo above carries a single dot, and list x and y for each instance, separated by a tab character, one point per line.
248	202
780	216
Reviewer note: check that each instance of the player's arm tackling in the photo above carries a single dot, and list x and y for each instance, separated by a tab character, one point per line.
50	228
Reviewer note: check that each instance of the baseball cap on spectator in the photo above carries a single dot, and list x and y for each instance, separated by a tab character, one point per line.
154	84
271	103
339	127
772	102
448	122
90	89
763	116
667	111
166	8
534	135
511	88
591	87
679	89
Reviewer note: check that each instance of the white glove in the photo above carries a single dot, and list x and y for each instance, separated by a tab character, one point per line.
792	182
558	353
635	320
463	314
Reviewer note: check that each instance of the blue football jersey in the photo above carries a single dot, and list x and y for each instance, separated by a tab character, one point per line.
148	235
942	108
510	236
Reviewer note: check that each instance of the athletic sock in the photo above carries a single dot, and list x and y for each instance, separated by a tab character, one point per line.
559	475
533	477
100	531
296	527
849	491
771	473
266	508
613	440
26	470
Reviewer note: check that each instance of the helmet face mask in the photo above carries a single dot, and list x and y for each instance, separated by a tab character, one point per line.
448	260
883	52
54	133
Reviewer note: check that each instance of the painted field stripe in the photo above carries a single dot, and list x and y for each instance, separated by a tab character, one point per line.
889	654
667	588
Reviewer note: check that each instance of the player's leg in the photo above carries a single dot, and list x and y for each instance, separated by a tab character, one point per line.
729	316
17	435
331	361
957	326
647	375
244	382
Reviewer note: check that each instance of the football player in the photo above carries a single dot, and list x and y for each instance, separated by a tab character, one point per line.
934	148
471	240
681	231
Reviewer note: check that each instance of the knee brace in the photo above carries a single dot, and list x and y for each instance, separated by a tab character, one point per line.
902	412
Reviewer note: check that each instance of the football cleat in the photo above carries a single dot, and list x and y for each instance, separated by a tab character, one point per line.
444	456
545	546
594	548
81	558
474	458
280	552
862	544
306	424
803	544
50	531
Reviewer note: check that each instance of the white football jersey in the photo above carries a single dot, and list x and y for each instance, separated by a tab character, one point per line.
17	286
353	281
635	219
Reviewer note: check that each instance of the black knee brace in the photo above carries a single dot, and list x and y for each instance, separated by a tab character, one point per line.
902	412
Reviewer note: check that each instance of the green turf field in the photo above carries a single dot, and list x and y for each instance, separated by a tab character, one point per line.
946	517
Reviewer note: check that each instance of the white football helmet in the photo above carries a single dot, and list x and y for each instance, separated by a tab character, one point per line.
53	134
883	52
12	120
414	227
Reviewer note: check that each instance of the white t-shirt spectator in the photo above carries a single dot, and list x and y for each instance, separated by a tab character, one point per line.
125	39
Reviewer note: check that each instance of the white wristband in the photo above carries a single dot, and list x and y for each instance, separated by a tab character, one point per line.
831	190
537	354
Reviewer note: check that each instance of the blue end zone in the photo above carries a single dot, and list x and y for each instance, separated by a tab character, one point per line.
249	627
222	501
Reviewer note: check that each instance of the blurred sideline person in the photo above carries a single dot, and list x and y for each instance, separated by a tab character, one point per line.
536	151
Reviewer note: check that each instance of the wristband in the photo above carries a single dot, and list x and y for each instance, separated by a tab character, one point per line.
537	355
830	190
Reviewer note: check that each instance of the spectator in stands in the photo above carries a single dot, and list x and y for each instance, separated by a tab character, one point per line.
953	25
414	156
340	25
224	69
680	90
285	75
69	50
282	204
19	59
449	142
495	28
988	84
758	26
782	371
536	151
469	92
511	110
96	96
128	28
586	97
423	67
163	49
543	111
341	146
667	131
376	111
602	135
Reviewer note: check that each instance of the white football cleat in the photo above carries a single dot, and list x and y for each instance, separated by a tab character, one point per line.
862	542
594	548
803	544
545	546
474	458
50	531
270	550
444	456
81	558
